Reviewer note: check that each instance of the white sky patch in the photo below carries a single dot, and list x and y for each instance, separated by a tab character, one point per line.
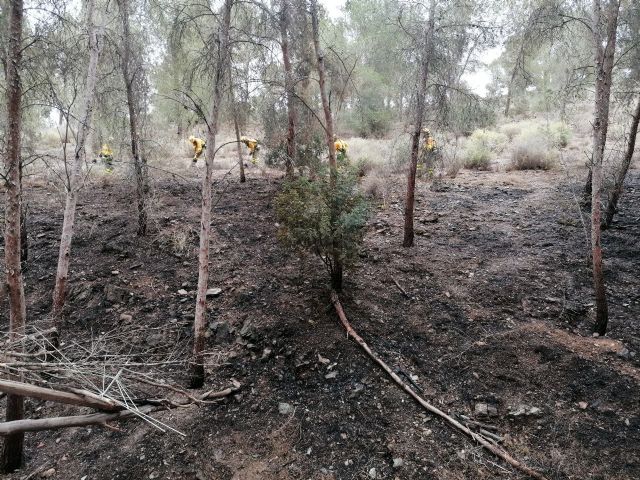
334	7
479	79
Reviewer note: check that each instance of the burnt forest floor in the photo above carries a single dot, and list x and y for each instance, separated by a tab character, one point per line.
500	314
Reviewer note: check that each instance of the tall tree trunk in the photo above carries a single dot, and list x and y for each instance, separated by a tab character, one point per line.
336	260
200	321
512	81
421	98
605	46
73	177
236	123
289	89
133	74
520	59
621	174
13	444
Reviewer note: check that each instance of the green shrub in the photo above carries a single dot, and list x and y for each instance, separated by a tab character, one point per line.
560	134
482	147
327	222
511	130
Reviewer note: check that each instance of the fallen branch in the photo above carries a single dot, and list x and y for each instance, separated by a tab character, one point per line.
76	397
499	452
30	337
222	393
401	289
467	421
18	426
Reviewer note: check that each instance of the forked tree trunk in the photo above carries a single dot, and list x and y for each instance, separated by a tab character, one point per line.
336	260
73	176
236	123
13	444
621	174
133	77
289	89
421	98
200	322
604	46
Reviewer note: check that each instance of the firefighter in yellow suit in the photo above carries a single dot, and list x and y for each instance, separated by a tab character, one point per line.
106	154
429	144
252	145
340	145
427	157
198	147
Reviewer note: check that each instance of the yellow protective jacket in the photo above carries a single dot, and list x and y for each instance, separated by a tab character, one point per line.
106	151
429	144
251	143
340	146
198	144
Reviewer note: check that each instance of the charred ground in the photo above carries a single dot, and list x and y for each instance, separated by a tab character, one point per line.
500	314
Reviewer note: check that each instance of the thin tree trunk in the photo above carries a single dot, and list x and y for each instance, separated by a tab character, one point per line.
289	89
604	61
73	178
200	321
24	239
236	127
13	444
236	124
132	76
510	92
616	191
336	260
512	80
421	97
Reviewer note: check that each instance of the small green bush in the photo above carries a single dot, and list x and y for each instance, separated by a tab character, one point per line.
560	134
482	147
328	222
511	130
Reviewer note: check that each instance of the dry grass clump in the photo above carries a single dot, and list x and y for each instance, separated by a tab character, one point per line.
511	130
177	240
374	151
375	185
532	150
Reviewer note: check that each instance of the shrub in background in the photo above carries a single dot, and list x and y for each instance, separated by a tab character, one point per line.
482	147
532	150
560	134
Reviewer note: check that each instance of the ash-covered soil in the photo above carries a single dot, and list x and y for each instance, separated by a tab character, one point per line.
499	320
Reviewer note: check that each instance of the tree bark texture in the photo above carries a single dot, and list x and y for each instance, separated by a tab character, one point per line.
200	321
336	260
421	97
605	24
133	74
621	174
73	176
236	123
13	444
289	86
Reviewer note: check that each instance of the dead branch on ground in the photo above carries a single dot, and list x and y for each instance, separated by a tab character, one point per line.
486	442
